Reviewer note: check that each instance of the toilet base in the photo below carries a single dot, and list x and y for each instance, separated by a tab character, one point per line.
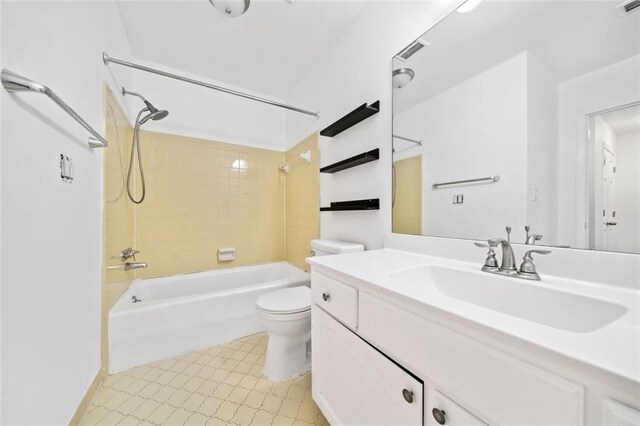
287	356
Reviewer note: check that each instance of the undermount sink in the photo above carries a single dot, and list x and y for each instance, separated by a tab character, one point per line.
515	297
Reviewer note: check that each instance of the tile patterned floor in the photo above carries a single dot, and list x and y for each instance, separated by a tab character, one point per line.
222	385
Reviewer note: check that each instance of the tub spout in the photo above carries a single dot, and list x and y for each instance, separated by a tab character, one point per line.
129	266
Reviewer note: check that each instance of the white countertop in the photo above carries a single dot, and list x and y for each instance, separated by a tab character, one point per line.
614	348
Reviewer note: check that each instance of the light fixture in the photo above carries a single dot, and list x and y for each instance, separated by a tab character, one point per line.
231	8
468	6
402	77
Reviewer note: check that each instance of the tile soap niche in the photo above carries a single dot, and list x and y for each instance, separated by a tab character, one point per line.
226	254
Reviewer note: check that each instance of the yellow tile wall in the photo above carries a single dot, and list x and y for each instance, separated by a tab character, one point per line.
302	201
204	195
118	210
118	230
407	207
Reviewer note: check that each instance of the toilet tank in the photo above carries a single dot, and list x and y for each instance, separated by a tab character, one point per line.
324	247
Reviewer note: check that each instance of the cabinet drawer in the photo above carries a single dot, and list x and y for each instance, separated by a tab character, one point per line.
500	388
448	412
354	384
338	299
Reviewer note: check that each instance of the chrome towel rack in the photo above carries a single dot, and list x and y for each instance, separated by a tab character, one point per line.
13	82
417	142
490	179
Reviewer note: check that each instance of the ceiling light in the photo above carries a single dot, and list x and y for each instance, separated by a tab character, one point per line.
468	6
402	77
231	8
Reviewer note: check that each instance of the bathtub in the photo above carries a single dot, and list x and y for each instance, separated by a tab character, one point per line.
182	313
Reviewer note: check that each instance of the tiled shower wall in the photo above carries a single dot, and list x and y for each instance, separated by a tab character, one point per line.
302	201
407	203
204	195
118	210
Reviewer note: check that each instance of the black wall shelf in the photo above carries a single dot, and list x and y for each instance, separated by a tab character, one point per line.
369	204
356	160
363	112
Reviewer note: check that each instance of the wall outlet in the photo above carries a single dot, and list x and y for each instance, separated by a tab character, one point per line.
66	168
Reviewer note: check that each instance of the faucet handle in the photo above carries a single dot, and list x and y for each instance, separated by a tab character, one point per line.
495	242
528	269
528	252
128	253
490	263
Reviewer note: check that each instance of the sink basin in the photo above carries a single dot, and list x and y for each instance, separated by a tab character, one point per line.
515	297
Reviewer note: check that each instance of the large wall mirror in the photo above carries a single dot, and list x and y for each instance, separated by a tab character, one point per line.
521	114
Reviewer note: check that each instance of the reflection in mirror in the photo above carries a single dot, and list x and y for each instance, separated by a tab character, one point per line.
523	114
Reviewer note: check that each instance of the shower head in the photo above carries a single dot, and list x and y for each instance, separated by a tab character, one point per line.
155	114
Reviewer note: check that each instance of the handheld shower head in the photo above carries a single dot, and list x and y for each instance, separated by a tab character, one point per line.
154	113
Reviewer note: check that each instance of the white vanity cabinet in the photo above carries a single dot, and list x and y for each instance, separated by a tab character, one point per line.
371	350
354	384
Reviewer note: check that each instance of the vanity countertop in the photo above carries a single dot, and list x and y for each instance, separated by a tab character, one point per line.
614	347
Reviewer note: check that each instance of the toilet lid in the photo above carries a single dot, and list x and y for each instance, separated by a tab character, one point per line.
286	301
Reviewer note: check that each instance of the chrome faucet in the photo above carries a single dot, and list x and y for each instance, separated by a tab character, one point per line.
531	238
130	266
508	258
527	269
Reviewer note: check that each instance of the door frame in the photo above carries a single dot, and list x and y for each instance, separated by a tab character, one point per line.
583	213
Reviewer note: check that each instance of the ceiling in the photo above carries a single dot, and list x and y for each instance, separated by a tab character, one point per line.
624	121
570	37
267	50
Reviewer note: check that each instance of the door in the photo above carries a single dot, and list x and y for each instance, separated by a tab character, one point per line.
354	384
609	223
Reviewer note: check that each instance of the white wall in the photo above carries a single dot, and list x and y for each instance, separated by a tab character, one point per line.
475	129
599	90
628	192
355	70
51	237
204	113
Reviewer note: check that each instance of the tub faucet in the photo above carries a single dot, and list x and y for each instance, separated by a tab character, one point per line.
130	266
531	238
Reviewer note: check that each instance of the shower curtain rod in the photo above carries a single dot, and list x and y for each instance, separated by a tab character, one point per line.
108	59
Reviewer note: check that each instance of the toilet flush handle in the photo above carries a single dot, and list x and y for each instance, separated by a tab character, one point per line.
325	296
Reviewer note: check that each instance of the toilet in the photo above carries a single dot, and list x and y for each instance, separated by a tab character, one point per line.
286	314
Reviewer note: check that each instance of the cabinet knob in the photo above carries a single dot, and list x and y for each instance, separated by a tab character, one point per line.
438	415
408	395
325	296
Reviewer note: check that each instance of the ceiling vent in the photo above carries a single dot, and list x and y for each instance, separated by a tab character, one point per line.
628	6
414	47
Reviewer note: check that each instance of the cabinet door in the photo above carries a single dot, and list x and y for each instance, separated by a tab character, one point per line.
354	384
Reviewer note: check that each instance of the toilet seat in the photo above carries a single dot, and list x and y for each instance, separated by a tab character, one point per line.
285	301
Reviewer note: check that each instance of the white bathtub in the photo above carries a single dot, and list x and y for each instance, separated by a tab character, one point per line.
182	313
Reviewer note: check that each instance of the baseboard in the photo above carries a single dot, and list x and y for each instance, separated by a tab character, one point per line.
88	396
